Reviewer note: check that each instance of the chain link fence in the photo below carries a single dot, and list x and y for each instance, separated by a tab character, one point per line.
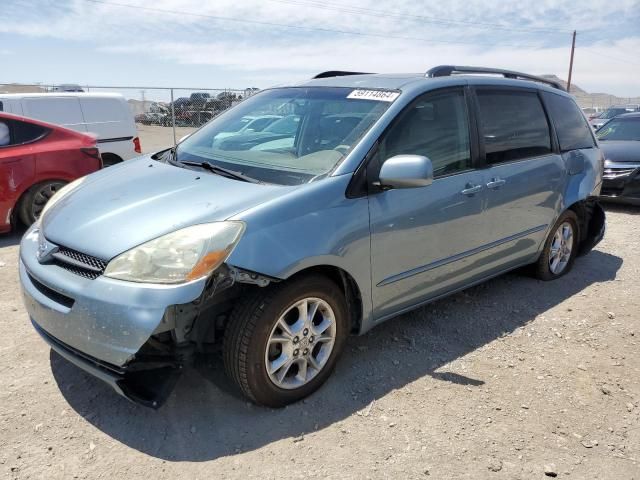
162	115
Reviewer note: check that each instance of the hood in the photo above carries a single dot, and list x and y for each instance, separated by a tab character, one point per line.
123	206
621	151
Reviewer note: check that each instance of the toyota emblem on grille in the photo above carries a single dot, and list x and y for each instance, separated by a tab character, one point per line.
45	249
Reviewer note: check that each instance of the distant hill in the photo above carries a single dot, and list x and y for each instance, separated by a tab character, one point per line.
576	90
16	88
590	100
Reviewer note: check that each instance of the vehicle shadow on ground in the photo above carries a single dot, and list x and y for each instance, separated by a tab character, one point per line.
205	418
13	238
621	208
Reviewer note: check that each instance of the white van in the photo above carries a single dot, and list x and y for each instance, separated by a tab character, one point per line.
107	115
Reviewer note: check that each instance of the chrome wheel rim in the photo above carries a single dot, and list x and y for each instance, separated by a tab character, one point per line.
300	343
42	196
561	248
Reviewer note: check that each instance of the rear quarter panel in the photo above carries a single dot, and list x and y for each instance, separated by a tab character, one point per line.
585	168
17	172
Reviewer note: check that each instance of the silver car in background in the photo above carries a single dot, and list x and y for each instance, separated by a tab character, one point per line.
381	193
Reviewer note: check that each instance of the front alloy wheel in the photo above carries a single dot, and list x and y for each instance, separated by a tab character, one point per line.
282	342
300	343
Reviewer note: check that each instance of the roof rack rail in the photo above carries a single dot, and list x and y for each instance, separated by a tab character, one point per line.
447	70
338	73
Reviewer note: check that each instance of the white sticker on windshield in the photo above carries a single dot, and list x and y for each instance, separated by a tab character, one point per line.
379	95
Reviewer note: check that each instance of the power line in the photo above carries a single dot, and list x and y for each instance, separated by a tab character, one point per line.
302	27
591	50
423	18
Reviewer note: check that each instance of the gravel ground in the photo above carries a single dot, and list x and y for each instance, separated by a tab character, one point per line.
154	138
510	379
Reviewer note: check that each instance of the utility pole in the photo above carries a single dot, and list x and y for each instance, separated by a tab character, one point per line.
573	48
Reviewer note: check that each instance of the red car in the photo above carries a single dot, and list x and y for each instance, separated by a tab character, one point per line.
36	160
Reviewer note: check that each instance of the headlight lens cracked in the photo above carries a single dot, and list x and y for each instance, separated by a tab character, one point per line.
178	257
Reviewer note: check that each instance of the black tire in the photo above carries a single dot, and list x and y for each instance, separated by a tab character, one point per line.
35	199
250	327
542	268
110	159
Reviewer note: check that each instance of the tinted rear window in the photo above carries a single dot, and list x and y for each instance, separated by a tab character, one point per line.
572	128
24	132
514	125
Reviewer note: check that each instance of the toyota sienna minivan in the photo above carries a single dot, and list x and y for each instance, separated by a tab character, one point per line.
390	191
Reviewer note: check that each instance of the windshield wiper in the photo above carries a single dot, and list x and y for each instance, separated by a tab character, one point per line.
220	171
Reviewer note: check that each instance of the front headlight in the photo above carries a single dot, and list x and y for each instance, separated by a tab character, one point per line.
61	193
182	256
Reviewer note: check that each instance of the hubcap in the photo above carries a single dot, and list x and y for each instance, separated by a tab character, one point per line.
561	247
42	196
300	343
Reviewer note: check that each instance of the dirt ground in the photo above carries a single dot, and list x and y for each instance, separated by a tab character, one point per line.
154	138
507	380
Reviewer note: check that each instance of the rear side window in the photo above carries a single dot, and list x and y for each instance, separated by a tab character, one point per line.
1	107
24	132
513	125
14	132
572	128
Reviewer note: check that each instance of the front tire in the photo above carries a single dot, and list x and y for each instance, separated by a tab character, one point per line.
560	248
282	343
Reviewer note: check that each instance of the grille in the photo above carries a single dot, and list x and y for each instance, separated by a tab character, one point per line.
52	294
79	263
611	173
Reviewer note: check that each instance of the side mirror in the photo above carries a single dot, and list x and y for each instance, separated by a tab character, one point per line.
406	171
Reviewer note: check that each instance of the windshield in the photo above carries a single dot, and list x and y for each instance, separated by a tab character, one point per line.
300	134
619	129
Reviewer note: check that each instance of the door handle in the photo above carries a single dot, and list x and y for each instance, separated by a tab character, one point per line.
496	183
471	189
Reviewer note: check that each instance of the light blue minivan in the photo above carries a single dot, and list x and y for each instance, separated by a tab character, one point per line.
372	195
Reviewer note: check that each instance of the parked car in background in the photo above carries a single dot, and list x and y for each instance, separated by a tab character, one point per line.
151	118
36	160
279	134
396	191
599	120
106	115
249	124
620	142
68	87
591	112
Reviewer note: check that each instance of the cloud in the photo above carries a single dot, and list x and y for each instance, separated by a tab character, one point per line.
505	34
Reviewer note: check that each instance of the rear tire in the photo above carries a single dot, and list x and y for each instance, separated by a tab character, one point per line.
282	342
109	159
560	248
35	199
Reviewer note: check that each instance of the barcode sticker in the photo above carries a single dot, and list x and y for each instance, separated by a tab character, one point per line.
379	95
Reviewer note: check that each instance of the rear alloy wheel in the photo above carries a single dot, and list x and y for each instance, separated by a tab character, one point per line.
36	198
282	342
560	248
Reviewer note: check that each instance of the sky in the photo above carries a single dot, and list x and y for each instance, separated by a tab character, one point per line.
260	43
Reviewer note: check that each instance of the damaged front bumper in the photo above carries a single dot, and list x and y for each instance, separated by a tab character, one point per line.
146	384
106	326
